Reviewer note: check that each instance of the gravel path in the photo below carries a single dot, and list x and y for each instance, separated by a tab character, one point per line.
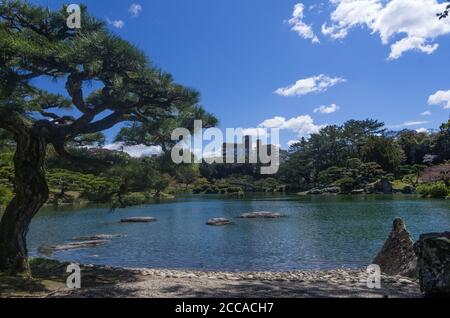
145	283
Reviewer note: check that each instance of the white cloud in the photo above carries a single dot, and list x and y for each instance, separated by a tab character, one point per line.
318	7
327	109
302	125
119	24
309	85
411	43
409	124
298	25
350	13
440	98
334	32
276	122
137	151
135	9
426	113
422	130
414	20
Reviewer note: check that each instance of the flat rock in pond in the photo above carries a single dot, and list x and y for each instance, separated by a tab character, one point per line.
71	246
98	237
139	220
218	222
261	215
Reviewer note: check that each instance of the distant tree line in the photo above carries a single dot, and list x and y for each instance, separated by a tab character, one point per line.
359	152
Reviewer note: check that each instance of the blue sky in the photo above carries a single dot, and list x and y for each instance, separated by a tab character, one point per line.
239	53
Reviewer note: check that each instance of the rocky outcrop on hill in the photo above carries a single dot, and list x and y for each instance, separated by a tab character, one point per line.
381	186
433	253
397	256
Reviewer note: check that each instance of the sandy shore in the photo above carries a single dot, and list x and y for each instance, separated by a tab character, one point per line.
100	281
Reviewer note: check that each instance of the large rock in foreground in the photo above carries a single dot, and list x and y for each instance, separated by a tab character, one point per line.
139	220
397	256
433	252
261	215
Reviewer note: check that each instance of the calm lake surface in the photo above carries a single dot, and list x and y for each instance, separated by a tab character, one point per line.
319	232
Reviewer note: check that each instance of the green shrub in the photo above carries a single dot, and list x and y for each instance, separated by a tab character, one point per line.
212	190
400	185
333	174
201	189
435	190
354	163
134	199
439	191
423	189
234	190
197	190
347	184
93	188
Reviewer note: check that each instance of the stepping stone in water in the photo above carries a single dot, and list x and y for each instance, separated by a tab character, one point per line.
262	215
138	220
71	246
218	222
98	237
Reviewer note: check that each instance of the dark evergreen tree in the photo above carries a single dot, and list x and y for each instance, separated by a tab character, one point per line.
35	42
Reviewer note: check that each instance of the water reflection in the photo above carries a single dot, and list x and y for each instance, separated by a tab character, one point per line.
319	232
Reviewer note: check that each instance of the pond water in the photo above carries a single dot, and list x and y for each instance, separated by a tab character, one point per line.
319	232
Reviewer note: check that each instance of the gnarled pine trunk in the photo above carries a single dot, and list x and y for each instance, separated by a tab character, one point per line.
31	192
